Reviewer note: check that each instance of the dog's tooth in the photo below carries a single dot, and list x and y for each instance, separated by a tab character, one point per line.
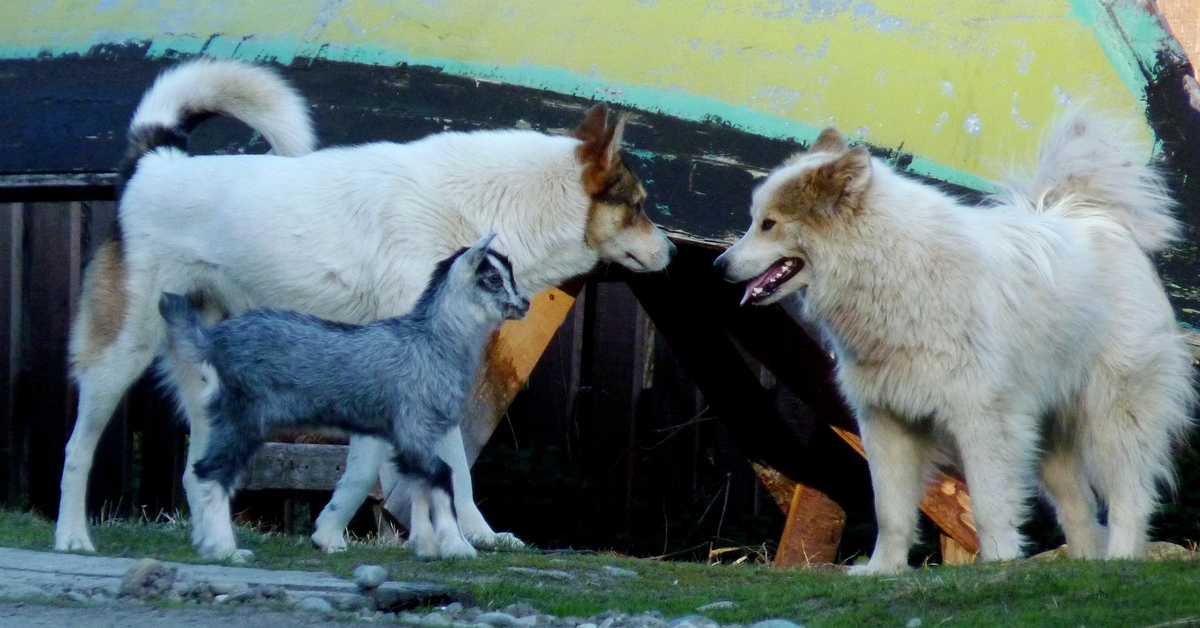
758	291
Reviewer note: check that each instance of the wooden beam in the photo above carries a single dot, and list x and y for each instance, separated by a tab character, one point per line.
296	467
511	356
813	530
946	501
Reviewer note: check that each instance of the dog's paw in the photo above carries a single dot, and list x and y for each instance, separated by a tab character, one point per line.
74	543
870	569
498	542
241	556
329	540
454	546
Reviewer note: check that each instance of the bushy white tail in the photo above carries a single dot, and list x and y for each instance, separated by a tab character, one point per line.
1091	165
256	95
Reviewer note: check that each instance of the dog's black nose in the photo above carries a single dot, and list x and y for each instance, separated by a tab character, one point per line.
671	250
720	263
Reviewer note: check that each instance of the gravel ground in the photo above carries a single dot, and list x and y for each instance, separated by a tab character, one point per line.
40	616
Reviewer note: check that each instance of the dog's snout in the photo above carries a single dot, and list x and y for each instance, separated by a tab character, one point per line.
720	263
671	250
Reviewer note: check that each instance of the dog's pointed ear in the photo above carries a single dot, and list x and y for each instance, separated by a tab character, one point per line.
837	186
593	125
854	171
829	141
600	151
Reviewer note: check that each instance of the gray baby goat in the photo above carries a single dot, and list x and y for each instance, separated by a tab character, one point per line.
402	379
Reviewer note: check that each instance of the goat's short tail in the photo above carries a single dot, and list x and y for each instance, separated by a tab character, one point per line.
1093	166
185	329
191	92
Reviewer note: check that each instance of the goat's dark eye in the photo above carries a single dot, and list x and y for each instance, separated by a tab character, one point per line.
768	224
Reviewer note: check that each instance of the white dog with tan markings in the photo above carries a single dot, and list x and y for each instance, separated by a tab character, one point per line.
1028	339
350	234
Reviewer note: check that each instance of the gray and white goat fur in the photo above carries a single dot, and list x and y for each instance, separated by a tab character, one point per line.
349	234
403	380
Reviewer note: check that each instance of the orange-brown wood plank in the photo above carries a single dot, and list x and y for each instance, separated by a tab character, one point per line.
813	530
946	501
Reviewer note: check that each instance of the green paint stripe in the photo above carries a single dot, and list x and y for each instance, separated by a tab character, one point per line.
674	103
1130	37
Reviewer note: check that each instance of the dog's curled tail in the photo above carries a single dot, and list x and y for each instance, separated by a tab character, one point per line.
185	329
1091	165
189	93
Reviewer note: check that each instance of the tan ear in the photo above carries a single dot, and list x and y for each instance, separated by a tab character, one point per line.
600	155
593	125
829	141
854	171
838	185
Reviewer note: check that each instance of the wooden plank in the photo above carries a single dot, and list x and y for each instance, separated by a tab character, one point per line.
47	407
511	356
12	220
295	466
955	554
946	501
813	530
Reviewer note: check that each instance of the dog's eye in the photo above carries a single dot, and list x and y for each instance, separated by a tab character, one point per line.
768	224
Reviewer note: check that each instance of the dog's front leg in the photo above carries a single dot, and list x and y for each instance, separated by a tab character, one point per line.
474	527
998	459
896	457
451	543
362	469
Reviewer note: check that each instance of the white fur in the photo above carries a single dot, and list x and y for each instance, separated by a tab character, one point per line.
1030	340
348	234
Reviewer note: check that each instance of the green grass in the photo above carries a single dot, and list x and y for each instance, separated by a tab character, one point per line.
1026	593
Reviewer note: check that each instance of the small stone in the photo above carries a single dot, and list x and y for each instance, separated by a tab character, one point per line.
520	609
370	576
435	620
173	596
618	572
453	607
497	619
22	592
715	606
315	605
527	621
588	625
102	599
242	595
225	588
775	623
134	581
693	621
607	623
221	599
552	573
915	622
76	596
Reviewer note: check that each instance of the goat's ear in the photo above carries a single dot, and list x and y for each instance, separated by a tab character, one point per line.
474	255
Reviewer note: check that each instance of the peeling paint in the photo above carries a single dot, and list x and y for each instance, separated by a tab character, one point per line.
972	124
735	62
1016	115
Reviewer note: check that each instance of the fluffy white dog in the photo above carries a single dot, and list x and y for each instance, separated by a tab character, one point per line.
350	234
1026	339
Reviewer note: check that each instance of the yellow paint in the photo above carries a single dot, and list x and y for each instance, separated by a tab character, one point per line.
894	73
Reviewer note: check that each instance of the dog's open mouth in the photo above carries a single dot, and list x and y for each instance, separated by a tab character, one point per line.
763	286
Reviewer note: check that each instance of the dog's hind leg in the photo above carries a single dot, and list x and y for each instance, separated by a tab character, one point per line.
998	457
101	387
897	457
111	345
1065	479
362	469
1131	419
